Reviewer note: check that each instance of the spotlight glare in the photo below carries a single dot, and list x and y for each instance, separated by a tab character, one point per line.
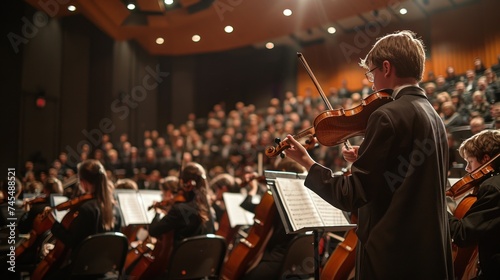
71	8
331	30
228	29
196	38
403	11
131	6
160	40
168	2
269	45
287	12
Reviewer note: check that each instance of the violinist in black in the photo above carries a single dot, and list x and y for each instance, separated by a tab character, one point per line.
191	216
481	223
96	209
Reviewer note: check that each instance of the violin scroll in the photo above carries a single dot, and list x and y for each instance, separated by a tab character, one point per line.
283	145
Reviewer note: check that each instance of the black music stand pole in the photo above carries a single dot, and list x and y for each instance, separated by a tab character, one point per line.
317	262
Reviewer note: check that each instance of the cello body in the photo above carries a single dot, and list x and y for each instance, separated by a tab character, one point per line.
465	259
341	263
245	255
149	264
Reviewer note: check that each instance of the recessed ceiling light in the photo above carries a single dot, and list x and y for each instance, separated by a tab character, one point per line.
169	2
196	38
160	40
228	29
331	30
71	8
403	11
269	45
287	12
130	6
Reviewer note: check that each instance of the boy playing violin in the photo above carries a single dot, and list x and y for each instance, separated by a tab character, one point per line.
481	223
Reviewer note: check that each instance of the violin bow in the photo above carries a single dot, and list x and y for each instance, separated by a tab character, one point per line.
318	87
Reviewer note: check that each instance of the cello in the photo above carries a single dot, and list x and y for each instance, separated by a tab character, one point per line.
341	262
465	259
246	253
148	258
55	257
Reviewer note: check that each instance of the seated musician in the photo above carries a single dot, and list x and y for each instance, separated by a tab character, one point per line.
95	215
169	187
35	206
272	259
191	216
481	223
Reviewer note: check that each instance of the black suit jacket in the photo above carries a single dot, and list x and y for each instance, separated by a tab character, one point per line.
397	188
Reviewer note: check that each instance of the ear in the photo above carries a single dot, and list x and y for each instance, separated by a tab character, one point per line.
486	158
387	68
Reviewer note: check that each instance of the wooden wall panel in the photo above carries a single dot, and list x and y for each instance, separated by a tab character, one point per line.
453	38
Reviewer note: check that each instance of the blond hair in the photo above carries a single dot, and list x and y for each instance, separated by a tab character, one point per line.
403	50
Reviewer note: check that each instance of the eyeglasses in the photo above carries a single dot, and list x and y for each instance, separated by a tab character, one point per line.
369	75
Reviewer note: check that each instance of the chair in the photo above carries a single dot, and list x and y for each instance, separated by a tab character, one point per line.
100	255
197	257
299	258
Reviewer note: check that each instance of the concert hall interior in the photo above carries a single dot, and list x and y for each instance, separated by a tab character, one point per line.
147	139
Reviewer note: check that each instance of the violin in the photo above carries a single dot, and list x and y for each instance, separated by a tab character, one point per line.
39	199
473	179
465	259
55	258
283	145
336	126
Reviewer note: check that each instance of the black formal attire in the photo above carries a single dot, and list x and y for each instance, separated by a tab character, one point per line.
481	226
270	265
184	220
397	188
86	223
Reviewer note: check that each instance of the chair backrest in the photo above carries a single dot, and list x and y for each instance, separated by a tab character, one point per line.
197	257
99	254
298	262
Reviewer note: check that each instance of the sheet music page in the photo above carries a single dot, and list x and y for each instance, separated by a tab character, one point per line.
148	198
298	203
58	199
132	208
237	215
330	215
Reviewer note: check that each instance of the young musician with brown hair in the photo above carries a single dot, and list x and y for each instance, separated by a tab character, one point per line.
481	223
398	174
96	212
189	217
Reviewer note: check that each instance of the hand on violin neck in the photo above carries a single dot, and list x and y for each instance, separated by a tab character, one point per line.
298	153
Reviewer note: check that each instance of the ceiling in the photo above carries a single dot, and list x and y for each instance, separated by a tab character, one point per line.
255	22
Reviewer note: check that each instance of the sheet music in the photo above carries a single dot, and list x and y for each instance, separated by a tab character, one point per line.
298	203
56	200
132	208
148	198
330	215
237	215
